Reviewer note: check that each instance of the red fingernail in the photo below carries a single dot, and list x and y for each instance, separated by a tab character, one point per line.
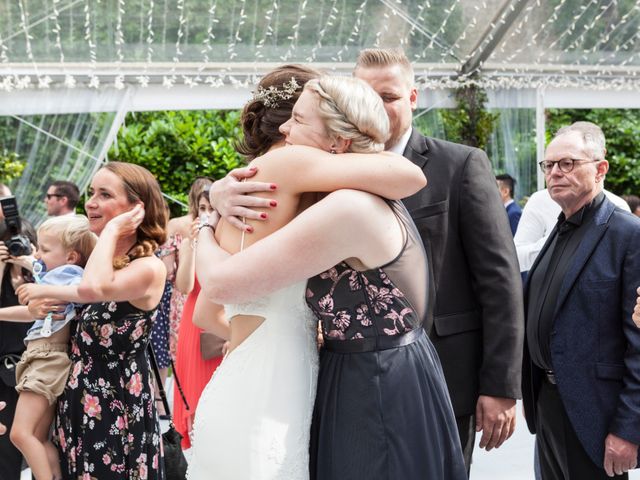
249	229
273	203
273	186
263	215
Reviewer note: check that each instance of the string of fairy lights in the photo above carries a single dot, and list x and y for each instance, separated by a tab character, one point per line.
563	43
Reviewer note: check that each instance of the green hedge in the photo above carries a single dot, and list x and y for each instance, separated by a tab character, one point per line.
11	166
178	146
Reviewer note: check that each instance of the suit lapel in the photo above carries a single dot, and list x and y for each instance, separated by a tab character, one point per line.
416	149
585	250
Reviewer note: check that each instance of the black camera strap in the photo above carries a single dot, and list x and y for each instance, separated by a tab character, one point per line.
156	373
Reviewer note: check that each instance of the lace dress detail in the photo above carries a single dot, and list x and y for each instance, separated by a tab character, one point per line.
253	419
177	299
257	307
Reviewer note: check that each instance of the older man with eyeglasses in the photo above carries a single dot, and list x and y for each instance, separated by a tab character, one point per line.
581	365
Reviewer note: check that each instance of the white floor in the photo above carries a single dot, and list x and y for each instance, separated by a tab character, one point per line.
512	461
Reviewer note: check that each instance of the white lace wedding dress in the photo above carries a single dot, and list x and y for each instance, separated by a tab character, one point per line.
253	418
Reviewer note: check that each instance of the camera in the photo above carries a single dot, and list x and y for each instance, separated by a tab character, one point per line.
11	234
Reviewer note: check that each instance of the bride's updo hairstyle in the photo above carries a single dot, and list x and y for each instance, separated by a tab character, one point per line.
352	110
270	107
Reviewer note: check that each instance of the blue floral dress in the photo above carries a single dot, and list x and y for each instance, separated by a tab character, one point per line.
106	423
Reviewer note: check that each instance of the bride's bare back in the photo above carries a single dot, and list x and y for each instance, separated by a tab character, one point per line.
232	240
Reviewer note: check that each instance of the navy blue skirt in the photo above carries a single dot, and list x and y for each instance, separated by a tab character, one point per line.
384	415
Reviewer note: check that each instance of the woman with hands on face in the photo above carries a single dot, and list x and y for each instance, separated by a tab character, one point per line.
192	370
106	421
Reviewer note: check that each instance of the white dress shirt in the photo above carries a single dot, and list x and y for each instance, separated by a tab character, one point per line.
402	143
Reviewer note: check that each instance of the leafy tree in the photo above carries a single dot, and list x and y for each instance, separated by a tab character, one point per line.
178	146
470	123
10	166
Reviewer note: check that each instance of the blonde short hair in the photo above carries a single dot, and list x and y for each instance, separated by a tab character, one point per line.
386	57
73	233
352	110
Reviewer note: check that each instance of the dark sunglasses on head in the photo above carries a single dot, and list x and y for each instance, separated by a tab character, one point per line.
49	195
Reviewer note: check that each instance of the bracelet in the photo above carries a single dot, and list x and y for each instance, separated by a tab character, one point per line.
205	224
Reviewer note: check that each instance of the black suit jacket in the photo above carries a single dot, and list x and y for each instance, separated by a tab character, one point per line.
477	319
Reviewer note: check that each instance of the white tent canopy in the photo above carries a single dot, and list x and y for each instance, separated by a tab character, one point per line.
510	43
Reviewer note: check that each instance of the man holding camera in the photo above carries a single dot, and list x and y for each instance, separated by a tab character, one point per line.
16	236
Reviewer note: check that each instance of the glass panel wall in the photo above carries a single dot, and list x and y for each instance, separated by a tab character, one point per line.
54	147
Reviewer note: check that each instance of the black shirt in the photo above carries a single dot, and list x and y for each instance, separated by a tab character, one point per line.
546	280
11	333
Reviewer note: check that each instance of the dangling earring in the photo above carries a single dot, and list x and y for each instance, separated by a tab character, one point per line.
332	151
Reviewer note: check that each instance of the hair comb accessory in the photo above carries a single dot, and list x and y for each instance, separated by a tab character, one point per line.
270	97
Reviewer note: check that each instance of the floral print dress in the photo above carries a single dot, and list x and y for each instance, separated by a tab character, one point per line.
106	424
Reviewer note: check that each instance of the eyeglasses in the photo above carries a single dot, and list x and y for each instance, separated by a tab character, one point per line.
564	164
49	195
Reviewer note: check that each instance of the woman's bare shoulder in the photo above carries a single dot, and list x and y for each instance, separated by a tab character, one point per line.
148	268
354	200
179	225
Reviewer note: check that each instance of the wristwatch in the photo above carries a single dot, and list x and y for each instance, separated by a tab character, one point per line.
205	221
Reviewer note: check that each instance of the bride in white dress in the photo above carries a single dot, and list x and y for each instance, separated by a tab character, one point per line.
253	418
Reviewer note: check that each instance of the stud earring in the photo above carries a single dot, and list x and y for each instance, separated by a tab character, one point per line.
332	151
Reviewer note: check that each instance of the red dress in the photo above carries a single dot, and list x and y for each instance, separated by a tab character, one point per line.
193	372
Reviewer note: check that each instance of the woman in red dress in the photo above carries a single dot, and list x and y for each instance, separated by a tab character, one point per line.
192	371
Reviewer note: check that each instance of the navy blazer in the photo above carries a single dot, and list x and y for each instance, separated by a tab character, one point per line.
595	346
514	212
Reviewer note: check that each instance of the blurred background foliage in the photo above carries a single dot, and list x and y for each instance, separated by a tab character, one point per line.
11	166
178	146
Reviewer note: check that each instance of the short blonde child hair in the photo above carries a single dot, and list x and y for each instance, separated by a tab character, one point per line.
352	110
73	233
